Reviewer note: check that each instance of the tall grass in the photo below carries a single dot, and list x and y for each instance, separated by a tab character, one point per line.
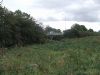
79	56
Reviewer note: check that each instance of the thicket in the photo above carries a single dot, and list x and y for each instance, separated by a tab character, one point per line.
19	28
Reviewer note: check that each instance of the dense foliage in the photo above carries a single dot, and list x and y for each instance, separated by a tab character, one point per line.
79	31
18	28
49	29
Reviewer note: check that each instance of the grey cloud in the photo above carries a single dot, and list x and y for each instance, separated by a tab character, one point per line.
97	1
84	14
57	4
83	11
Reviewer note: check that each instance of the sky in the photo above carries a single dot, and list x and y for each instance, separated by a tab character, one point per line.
60	14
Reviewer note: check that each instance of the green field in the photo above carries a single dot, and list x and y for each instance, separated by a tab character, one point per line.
78	56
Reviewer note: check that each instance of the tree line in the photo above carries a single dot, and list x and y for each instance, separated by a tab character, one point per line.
79	31
76	31
19	28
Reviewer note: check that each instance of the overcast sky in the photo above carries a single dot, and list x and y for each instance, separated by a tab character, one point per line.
56	12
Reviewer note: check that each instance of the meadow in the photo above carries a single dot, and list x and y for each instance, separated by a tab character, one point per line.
78	56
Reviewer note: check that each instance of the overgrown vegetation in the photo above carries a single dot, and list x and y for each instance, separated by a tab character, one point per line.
19	28
78	56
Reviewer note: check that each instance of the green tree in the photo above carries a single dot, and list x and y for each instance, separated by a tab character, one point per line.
90	30
5	32
79	28
75	31
28	30
19	28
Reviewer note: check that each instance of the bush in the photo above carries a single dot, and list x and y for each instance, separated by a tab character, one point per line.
55	37
71	33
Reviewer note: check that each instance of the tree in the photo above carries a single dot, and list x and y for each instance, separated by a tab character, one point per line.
90	30
19	28
83	28
30	31
50	29
79	31
71	33
79	28
53	34
76	31
5	36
